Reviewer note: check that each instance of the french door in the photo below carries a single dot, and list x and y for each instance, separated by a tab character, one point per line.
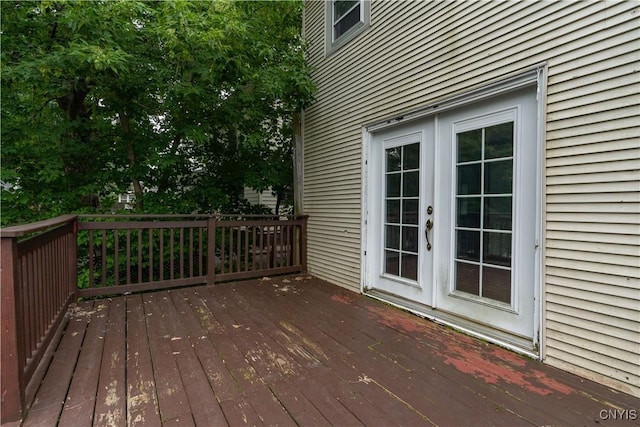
401	251
452	212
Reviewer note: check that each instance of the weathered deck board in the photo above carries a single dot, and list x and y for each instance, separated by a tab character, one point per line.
111	402
142	400
51	396
295	351
81	398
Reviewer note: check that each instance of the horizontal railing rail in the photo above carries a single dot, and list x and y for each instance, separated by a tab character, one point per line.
46	265
38	284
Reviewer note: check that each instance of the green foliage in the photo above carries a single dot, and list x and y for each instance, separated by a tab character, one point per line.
185	102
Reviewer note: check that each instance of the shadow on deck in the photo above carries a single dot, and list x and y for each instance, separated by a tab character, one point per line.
294	350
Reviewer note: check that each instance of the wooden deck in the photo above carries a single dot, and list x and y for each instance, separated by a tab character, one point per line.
295	350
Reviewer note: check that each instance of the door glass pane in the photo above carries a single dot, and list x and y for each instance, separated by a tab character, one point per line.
393	159
392	237
498	177
392	262
469	179
411	156
410	184
470	146
468	245
393	185
393	211
499	141
496	248
468	212
410	239
410	266
410	211
497	213
468	278
496	284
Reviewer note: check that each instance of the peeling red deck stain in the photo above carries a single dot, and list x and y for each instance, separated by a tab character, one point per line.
493	365
509	356
555	385
470	361
398	321
343	299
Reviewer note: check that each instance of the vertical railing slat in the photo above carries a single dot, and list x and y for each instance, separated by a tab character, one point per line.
211	249
104	258
171	253
91	255
128	255
200	272
116	258
182	252
161	254
223	245
139	256
150	255
190	251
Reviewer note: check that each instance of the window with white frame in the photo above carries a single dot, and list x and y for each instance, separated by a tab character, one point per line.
345	20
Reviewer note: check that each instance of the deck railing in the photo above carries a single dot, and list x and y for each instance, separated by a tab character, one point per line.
46	265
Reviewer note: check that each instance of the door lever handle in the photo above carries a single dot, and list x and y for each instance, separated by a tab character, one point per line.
428	228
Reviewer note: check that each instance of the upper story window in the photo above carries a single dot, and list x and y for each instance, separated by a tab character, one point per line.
345	20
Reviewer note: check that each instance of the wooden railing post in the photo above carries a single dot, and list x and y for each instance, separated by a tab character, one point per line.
11	364
211	250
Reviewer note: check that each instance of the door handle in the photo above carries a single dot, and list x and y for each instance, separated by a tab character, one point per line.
428	228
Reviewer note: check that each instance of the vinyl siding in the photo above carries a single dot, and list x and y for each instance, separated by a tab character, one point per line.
265	198
416	53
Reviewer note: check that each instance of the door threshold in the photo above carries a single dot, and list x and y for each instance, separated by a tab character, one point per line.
512	342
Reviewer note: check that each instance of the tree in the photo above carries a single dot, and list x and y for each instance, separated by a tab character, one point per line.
185	102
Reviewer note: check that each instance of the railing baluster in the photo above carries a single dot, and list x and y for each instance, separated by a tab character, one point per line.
246	248
27	304
171	253
223	245
190	252
128	255
91	255
211	249
104	258
261	262
139	256
200	272
150	255
161	260
182	252
253	247
116	261
38	288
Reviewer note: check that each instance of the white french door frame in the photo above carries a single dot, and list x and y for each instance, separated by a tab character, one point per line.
536	75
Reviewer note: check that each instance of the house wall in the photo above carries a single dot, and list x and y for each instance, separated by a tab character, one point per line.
415	53
264	198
